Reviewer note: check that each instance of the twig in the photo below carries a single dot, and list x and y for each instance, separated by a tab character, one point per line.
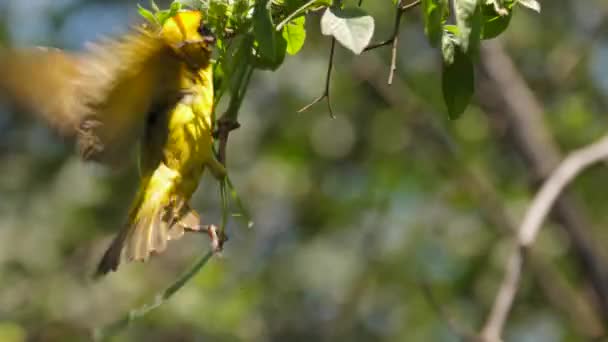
401	8
536	214
105	333
394	39
294	14
406	7
393	67
326	92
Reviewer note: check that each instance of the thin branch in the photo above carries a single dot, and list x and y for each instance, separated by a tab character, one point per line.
536	214
400	11
105	333
574	164
398	15
576	306
394	39
326	91
497	318
407	7
294	14
380	44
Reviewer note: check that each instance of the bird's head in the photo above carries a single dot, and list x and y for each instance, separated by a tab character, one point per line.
189	36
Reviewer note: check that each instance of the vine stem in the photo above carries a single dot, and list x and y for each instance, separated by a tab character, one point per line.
294	14
103	334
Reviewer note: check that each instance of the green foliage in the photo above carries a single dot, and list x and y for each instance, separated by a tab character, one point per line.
457	82
266	30
270	44
495	19
435	12
257	34
158	16
468	20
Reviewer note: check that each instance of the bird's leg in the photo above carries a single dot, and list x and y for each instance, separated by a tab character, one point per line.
217	239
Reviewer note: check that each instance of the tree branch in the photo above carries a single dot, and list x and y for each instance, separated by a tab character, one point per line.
505	96
394	39
103	334
326	91
557	289
536	214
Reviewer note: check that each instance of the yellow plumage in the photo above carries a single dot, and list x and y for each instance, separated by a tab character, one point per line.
154	86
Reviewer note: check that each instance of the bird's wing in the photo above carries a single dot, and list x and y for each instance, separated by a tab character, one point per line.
120	83
101	97
38	80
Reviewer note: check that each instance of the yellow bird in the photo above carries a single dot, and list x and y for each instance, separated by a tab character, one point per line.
155	86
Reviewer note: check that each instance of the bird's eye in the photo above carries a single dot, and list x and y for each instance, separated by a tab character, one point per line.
204	30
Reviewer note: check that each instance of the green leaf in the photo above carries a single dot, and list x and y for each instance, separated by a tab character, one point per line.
468	20
494	23
531	4
352	27
270	44
154	6
149	16
294	34
449	43
434	12
164	15
458	83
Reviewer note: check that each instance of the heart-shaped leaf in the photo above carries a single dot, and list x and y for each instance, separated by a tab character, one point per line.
352	27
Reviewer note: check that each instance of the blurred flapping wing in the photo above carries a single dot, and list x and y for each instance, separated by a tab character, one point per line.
102	97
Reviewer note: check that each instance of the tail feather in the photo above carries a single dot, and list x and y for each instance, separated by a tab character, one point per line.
149	234
111	258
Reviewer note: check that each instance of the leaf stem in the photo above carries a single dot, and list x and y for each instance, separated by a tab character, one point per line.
294	14
326	91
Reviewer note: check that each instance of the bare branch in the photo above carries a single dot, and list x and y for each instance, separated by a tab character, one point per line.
493	328
326	91
574	164
394	39
536	214
402	8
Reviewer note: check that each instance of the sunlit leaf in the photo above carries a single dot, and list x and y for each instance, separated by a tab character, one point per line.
468	20
434	12
449	43
294	34
352	27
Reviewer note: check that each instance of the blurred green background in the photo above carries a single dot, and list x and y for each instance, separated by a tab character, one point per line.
357	219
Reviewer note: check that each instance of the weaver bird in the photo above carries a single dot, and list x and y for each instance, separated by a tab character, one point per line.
153	86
